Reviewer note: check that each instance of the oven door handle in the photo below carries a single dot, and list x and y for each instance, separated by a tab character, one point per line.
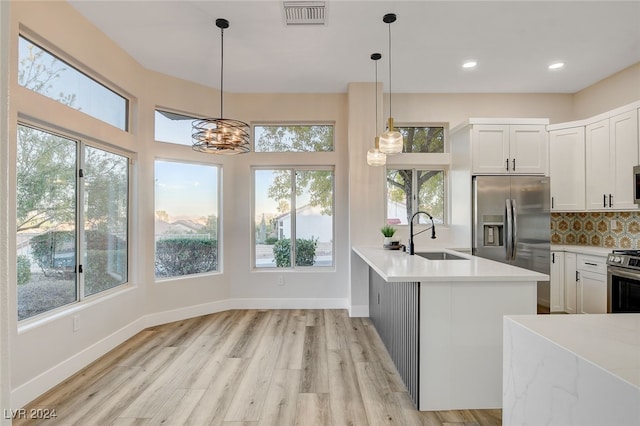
622	272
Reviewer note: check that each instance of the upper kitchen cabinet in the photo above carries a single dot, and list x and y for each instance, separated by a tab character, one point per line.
567	168
504	146
611	153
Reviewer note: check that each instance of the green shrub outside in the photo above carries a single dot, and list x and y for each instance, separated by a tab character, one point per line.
24	269
305	252
271	241
185	256
96	272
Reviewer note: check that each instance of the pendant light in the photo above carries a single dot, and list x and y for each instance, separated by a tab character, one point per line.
374	156
221	135
391	140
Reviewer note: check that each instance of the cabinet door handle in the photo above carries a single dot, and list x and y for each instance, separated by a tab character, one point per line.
577	276
513	167
604	198
551	202
590	264
507	161
610	200
553	258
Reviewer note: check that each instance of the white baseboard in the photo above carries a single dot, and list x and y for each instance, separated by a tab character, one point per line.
166	317
288	303
359	311
35	387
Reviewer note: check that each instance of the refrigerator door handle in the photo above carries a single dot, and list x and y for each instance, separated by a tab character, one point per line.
514	230
509	228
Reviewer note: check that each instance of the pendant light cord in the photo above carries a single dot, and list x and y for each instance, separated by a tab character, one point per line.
390	115
221	69
376	96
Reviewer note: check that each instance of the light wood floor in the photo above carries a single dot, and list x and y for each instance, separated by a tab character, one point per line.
250	367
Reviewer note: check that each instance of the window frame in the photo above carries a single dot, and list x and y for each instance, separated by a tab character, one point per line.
219	194
293	208
56	53
80	252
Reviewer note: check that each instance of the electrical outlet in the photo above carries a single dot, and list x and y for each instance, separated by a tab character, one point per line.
614	224
280	280
76	323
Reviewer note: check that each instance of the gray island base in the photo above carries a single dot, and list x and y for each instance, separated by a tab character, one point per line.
441	321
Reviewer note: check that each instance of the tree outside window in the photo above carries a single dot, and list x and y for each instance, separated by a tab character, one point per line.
412	190
422	139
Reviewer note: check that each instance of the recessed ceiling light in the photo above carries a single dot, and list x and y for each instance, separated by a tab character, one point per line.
469	64
556	65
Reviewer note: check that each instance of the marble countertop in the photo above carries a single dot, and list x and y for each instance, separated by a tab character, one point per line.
397	266
610	341
595	251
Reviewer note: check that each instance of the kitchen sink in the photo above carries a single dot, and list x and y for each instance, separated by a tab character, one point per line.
439	255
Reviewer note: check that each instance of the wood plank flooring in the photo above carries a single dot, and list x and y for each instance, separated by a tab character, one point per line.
249	367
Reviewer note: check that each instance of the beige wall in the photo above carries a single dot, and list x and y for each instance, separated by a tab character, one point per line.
359	194
614	91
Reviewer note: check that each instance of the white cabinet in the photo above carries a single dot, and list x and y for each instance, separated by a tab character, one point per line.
509	149
592	285
556	282
567	169
571	283
611	152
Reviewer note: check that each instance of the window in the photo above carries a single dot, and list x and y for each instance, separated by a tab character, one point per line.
293	217
412	190
293	138
42	72
186	219
422	139
55	175
173	128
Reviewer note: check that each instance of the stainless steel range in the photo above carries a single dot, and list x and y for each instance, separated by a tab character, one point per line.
623	281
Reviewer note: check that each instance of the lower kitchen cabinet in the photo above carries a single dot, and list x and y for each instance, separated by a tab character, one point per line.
556	282
585	283
570	283
592	285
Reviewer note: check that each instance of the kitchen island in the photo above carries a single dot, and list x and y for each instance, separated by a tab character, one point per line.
441	321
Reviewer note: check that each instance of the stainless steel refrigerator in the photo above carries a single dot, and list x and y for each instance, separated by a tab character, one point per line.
511	220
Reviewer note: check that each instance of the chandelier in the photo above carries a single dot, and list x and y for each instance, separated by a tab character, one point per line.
221	135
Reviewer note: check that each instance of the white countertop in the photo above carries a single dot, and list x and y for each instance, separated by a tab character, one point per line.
397	266
610	341
595	251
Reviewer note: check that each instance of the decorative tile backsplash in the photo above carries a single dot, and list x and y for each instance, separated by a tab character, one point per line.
594	229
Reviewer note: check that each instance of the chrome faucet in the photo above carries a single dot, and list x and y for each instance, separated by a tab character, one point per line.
411	234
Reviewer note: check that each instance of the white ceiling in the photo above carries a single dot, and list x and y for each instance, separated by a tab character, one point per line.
513	42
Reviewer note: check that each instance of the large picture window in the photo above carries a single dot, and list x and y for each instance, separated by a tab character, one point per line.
44	73
293	217
412	190
65	253
186	218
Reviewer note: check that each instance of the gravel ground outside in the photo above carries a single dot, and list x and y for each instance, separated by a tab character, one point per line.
42	294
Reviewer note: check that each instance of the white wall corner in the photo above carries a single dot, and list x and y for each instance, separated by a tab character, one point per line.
358	311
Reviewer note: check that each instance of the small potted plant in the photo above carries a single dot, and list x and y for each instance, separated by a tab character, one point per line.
388	232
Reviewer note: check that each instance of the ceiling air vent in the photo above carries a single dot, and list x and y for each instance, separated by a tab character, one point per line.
304	12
